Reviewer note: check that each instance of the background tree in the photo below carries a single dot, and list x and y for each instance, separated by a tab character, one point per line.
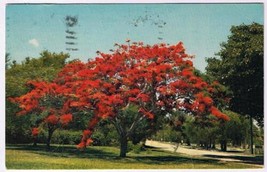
46	105
46	67
168	134
240	67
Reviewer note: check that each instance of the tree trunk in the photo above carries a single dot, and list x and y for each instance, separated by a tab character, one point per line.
123	146
213	144
188	142
50	132
223	145
123	136
206	145
35	141
251	135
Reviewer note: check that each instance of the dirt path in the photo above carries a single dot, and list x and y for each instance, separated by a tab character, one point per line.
222	156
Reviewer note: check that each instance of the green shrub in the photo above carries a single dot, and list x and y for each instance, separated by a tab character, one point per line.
66	137
135	148
168	134
60	137
99	139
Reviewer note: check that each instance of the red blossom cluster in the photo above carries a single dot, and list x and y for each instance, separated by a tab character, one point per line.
31	103
216	112
35	131
65	119
52	119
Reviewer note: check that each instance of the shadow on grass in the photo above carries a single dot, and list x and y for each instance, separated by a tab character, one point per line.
152	156
244	159
63	151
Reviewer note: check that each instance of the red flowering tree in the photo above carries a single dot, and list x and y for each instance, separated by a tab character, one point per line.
45	102
158	80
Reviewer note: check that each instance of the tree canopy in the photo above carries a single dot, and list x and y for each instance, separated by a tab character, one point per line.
44	68
240	67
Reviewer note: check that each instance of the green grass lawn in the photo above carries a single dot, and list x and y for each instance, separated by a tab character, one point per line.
100	157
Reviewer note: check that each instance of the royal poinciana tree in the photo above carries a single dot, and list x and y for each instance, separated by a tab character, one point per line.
44	103
158	80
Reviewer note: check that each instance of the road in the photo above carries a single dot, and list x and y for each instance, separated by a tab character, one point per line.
222	156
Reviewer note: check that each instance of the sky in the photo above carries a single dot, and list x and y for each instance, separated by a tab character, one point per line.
30	29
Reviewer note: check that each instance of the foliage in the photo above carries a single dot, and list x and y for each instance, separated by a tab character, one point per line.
43	68
105	135
17	129
221	94
60	137
240	67
234	131
47	107
204	133
135	148
236	128
168	134
66	137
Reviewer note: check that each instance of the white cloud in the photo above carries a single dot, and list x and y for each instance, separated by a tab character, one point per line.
34	42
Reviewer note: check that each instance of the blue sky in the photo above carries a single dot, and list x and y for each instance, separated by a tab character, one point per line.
30	29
